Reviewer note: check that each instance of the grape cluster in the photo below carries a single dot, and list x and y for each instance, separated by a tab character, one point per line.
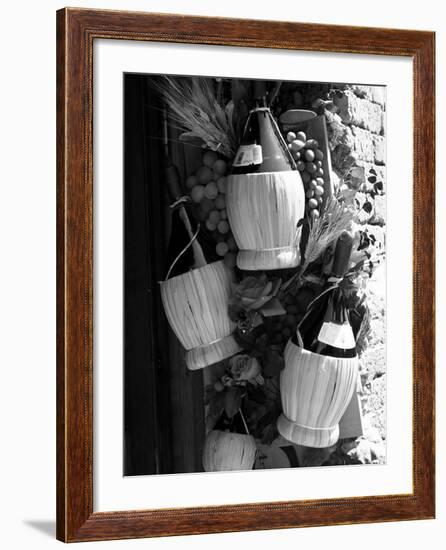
308	159
207	189
282	327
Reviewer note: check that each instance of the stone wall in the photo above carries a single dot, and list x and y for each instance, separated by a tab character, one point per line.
356	127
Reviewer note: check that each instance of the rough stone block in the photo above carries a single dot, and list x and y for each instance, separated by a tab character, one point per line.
363	144
368	147
379	146
379	216
359	112
377	94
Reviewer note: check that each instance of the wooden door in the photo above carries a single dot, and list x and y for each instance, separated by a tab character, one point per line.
164	410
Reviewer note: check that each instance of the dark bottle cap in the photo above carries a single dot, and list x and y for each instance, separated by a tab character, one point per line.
342	254
259	89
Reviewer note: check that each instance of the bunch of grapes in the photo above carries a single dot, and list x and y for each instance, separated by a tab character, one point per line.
282	327
207	189
308	159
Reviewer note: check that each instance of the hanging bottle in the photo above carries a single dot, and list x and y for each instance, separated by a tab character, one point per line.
321	363
265	195
326	328
195	294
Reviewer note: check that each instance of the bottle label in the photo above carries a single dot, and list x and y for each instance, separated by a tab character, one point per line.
337	335
247	155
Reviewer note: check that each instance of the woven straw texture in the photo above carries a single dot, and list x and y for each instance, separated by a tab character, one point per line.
264	210
315	392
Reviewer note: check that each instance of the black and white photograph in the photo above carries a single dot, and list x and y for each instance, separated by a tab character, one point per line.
221	315
254	274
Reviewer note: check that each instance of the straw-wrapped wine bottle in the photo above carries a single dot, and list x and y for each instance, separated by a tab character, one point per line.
326	327
265	196
196	298
229	446
228	451
321	364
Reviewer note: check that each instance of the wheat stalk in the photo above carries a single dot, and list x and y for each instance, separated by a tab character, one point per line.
325	230
194	109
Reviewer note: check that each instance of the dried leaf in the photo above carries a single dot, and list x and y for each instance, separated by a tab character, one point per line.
273	307
233	400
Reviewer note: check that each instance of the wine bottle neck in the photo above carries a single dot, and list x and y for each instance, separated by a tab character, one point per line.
262	148
259	92
342	254
260	103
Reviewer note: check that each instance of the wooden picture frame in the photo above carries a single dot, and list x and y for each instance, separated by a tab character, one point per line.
76	31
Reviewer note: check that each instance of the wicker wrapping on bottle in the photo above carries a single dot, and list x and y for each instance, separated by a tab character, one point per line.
315	391
196	306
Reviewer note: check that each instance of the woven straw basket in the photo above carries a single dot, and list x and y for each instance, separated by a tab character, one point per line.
315	392
196	306
264	210
226	451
